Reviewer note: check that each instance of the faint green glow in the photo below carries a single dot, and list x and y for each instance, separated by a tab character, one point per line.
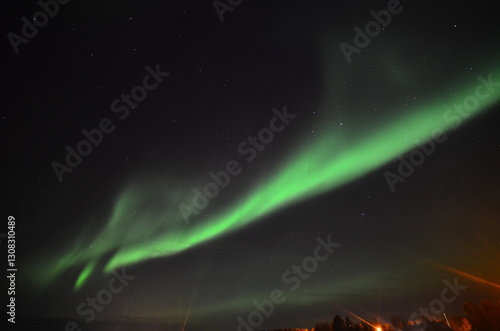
139	230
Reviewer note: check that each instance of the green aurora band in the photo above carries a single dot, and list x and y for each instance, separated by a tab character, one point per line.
137	232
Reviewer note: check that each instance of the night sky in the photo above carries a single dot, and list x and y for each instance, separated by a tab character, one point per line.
206	159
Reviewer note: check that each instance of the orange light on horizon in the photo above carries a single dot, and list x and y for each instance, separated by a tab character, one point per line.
377	328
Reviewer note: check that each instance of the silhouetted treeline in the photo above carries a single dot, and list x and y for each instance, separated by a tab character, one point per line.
343	325
397	324
484	316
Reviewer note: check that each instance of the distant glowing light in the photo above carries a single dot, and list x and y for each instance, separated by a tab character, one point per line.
377	328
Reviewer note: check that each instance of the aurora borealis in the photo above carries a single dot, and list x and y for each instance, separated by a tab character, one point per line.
312	171
323	173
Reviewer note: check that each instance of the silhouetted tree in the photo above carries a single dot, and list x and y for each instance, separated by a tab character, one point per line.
483	317
338	323
398	322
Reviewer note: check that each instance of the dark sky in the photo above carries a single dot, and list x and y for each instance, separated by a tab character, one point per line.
315	140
